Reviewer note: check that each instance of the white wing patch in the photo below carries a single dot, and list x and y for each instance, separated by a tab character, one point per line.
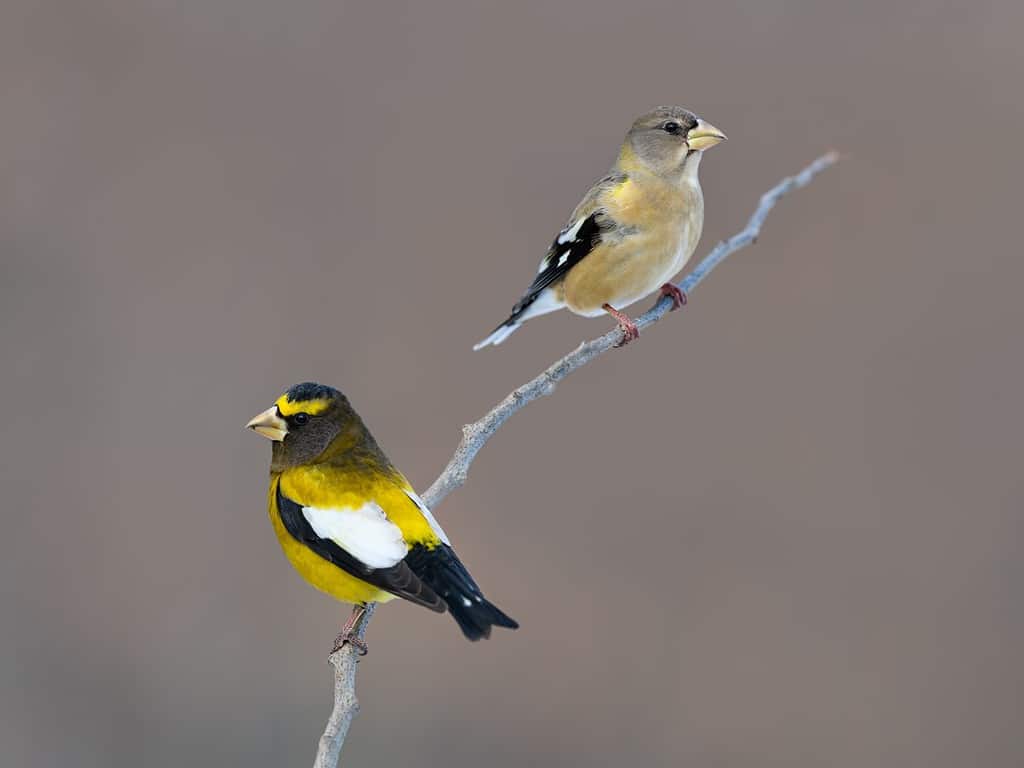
569	233
434	525
365	533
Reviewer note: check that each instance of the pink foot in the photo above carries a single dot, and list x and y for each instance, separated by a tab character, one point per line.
350	633
676	293
629	329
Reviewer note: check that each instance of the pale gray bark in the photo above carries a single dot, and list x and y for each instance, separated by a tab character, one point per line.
346	705
475	435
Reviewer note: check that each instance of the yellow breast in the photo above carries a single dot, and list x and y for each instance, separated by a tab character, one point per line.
319	572
327	485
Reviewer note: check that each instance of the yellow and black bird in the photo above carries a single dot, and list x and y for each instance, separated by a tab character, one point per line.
633	230
349	521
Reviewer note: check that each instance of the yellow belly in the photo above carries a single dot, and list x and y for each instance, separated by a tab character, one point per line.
319	572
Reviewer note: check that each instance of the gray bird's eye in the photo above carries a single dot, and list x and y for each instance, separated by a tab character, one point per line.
672	128
300	418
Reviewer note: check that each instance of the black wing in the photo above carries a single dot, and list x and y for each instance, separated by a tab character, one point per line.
398	579
441	568
569	248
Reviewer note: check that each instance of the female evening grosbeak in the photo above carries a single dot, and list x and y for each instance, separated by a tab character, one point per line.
634	229
350	522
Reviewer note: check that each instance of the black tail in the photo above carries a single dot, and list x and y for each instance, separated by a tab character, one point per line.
440	569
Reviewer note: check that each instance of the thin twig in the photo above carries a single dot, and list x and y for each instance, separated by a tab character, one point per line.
475	435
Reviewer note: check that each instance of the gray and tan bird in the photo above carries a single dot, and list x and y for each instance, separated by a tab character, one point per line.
633	230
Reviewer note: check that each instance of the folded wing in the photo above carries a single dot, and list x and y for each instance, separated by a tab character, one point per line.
362	533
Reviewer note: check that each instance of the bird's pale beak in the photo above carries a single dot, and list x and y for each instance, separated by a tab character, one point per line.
269	424
704	136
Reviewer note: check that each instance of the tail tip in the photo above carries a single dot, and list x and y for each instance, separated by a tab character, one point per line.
476	620
497	336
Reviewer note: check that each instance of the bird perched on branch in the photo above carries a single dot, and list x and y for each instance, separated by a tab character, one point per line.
633	230
351	524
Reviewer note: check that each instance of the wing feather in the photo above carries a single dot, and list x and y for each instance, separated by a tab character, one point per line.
365	533
586	228
589	224
427	514
398	579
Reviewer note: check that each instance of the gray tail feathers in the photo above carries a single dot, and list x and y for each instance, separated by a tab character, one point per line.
499	334
534	303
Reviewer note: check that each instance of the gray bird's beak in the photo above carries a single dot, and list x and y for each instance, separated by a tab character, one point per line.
704	136
269	424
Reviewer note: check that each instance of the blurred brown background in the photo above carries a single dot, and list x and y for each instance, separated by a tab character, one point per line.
783	529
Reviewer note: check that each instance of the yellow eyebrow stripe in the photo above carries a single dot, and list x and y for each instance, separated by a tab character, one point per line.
288	407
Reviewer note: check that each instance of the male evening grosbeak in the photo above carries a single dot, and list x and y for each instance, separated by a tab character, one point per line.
633	230
351	524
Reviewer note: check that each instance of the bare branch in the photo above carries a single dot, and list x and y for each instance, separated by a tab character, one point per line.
475	435
346	705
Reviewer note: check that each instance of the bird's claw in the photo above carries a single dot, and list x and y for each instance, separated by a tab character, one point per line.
626	325
350	637
629	332
674	292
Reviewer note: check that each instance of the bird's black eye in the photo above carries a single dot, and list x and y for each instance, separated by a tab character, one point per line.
672	128
300	418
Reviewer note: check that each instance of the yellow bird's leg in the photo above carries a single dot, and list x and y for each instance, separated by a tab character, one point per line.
676	293
629	329
350	632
